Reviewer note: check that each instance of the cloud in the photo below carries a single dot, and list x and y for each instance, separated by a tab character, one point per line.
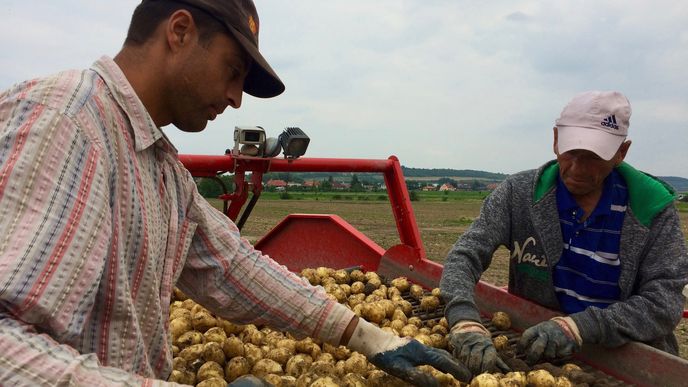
440	84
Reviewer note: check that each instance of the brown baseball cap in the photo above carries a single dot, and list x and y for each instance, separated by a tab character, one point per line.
241	19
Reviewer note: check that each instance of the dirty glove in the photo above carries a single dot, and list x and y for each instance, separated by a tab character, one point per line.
552	339
399	357
249	381
473	346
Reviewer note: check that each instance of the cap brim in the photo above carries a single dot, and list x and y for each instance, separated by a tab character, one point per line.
599	142
261	80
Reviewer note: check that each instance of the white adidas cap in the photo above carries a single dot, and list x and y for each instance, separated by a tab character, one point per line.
596	121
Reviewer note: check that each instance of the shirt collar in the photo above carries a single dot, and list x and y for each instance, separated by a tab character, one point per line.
566	202
145	132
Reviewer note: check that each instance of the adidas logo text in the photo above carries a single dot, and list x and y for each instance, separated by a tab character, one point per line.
610	122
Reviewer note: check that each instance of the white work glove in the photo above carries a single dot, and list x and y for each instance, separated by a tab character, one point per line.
473	346
399	357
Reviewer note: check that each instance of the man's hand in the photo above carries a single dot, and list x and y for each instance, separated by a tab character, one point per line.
552	339
473	347
399	357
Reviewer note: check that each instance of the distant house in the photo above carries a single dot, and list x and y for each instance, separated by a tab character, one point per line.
447	187
338	185
429	187
275	183
311	184
492	186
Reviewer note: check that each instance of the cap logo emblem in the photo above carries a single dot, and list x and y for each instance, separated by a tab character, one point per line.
252	25
610	122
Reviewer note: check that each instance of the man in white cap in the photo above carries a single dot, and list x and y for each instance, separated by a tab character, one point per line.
99	219
589	236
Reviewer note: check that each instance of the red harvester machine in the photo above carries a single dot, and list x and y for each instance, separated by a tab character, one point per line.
328	240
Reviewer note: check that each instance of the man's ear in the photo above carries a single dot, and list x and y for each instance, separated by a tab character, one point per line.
621	153
180	28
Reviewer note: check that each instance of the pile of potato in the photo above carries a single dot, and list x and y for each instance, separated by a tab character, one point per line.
210	351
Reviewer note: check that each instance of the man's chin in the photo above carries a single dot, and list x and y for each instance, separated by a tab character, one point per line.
192	127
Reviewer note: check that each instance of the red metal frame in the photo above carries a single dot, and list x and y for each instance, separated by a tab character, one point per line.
634	363
409	257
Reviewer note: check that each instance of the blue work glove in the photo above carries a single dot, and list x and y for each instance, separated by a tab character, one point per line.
473	347
553	339
249	381
399	356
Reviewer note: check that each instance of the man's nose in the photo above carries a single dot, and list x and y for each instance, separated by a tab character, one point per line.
234	93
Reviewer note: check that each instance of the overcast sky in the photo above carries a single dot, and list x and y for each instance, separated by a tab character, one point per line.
438	83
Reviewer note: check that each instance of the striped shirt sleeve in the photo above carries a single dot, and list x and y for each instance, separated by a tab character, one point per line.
227	275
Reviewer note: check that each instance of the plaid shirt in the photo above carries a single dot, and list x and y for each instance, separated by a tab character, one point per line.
99	222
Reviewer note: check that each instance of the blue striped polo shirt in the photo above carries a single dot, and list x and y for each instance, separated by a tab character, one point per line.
587	273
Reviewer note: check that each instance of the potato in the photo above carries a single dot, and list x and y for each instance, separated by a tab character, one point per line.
182	377
355	299
339	352
212	351
322	368
326	357
436	292
409	330
305	380
298	364
416	291
341	276
189	338
311	276
354	380
179	326
540	378
568	367
357	275
399	314
373	312
439	328
229	327
388	306
401	283
485	380
175	351
429	303
253	353
325	381
423	339
210	369
266	366
397	325
252	336
192	353
562	381
180	312
280	355
379	378
439	340
202	321
236	367
415	321
501	342
501	321
286	381
373	282
179	363
356	363
288	344
232	347
393	292
513	379
213	382
216	334
188	304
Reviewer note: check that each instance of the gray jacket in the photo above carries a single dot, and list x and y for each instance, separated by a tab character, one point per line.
522	215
